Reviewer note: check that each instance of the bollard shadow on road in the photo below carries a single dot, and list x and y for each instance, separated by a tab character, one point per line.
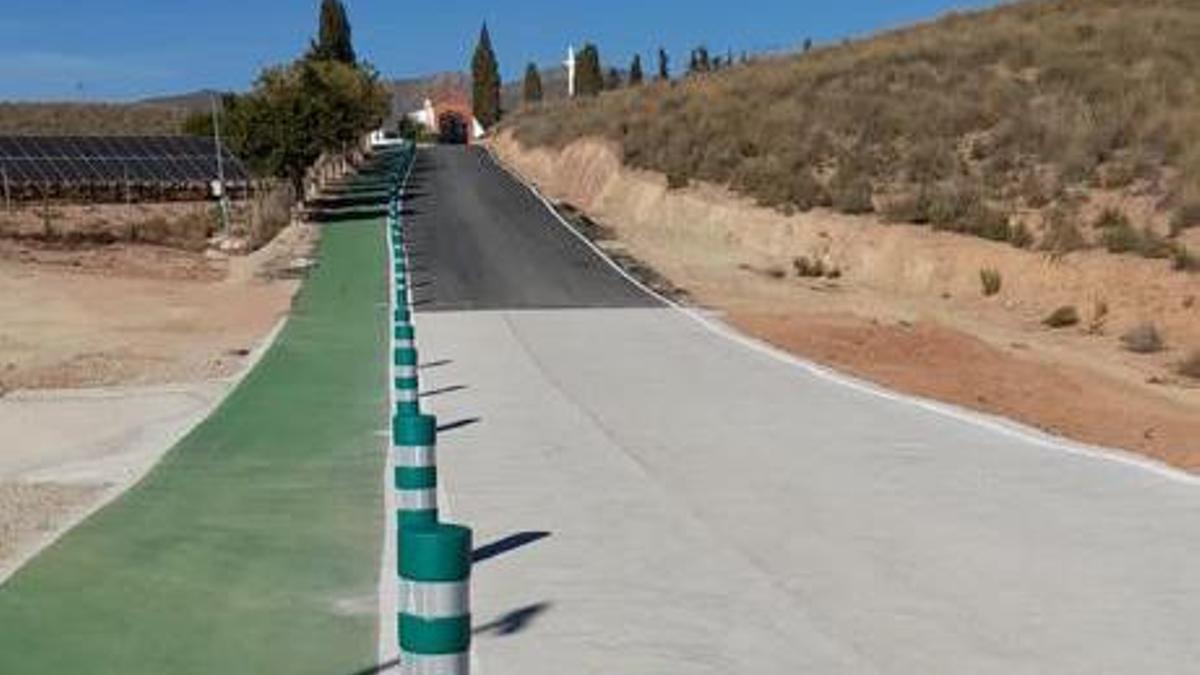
458	424
388	667
431	365
442	391
513	622
509	543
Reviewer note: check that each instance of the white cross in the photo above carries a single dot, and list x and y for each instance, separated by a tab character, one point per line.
570	64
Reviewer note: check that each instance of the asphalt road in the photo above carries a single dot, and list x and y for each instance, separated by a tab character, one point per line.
654	497
485	242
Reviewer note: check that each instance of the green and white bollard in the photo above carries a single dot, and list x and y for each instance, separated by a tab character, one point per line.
415	453
402	315
404	336
407	382
435	600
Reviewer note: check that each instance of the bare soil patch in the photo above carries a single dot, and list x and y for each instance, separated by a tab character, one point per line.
73	316
938	362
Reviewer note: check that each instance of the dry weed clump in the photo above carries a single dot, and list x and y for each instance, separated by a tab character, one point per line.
991	280
1063	317
956	123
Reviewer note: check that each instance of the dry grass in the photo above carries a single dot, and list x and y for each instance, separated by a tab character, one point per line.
955	123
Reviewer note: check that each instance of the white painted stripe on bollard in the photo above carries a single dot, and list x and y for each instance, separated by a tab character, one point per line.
434	664
406	372
406	395
417	500
415	456
430	600
405	344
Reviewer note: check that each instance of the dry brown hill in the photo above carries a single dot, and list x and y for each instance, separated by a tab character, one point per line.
1048	123
90	119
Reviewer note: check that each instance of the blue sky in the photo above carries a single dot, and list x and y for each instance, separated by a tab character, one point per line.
114	50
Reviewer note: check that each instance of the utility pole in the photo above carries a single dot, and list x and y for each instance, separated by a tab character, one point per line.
570	63
220	167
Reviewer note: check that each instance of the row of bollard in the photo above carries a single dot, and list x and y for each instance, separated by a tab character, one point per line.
434	558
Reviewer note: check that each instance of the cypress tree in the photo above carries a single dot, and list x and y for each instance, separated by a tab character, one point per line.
485	81
533	84
635	71
664	65
589	79
334	40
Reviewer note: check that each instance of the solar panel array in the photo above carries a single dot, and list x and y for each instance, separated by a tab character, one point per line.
112	160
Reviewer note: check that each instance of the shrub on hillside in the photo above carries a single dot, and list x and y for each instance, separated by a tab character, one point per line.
991	281
1183	260
1063	317
1186	216
1190	367
1143	339
1111	218
1062	235
1020	236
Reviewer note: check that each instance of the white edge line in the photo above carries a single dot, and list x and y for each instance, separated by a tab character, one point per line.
115	490
992	423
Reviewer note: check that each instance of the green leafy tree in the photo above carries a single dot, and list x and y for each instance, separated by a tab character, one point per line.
485	81
635	71
664	65
334	40
533	84
589	79
298	111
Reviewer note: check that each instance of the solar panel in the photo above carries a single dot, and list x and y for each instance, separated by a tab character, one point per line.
105	160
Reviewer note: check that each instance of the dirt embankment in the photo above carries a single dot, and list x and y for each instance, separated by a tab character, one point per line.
904	306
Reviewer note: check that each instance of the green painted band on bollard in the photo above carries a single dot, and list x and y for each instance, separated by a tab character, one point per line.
404	331
405	356
436	554
419	431
415	478
408	408
402	315
410	519
435	636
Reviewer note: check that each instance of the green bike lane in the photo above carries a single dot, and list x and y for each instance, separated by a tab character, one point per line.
254	546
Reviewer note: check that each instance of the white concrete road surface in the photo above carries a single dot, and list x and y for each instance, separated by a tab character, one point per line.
650	497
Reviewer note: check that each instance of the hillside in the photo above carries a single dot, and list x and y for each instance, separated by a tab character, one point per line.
90	118
1057	124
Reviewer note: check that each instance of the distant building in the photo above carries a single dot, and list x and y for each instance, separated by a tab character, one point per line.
447	113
